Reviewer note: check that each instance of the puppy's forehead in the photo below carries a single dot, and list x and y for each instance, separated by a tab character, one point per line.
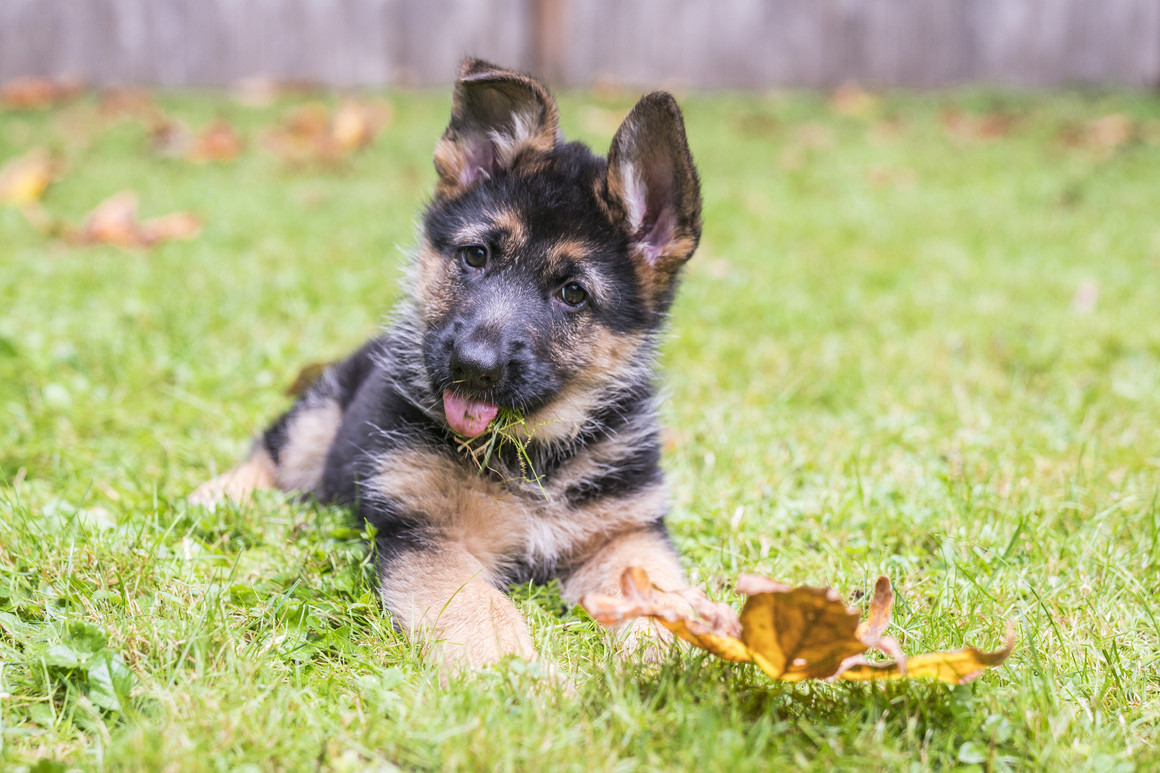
485	225
559	230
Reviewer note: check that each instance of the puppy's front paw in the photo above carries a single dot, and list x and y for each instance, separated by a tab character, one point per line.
646	638
481	650
643	638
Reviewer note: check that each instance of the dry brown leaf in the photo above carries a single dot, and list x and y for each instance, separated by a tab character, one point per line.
25	93
127	102
356	124
218	142
1103	136
852	100
311	133
24	180
1110	131
792	633
966	127
114	221
715	627
797	633
877	619
167	137
957	667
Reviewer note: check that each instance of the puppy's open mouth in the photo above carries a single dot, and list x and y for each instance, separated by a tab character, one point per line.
467	417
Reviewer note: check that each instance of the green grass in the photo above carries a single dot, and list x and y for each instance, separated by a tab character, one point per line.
876	366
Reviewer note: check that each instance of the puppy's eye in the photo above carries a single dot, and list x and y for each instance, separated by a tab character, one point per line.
572	294
474	255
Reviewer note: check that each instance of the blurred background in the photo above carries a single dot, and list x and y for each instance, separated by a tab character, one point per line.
743	44
918	339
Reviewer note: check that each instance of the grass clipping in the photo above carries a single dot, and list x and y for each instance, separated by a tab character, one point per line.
792	634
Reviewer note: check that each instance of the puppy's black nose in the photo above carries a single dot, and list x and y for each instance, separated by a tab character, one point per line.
476	365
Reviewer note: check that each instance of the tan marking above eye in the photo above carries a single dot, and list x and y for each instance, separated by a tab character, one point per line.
570	250
513	225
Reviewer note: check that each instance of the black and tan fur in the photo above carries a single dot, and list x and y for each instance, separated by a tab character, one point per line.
589	498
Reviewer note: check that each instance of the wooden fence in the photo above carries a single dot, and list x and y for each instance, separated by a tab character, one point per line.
695	43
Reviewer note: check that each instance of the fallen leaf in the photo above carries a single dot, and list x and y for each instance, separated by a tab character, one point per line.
967	127
24	180
300	133
714	627
114	221
1103	136
127	102
25	93
792	634
255	91
218	142
355	125
852	100
797	633
168	137
311	133
958	667
877	619
1110	131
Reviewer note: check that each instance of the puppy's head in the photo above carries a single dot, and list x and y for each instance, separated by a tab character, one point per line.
544	270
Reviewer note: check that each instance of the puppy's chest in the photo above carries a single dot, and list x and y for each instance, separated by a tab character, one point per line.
516	519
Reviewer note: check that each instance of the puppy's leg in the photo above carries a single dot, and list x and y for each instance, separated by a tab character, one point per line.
651	550
291	454
257	473
444	594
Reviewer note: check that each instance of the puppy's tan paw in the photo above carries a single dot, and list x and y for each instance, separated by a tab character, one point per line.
643	639
646	638
479	650
238	485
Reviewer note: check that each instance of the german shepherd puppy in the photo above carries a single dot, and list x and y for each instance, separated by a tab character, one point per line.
503	428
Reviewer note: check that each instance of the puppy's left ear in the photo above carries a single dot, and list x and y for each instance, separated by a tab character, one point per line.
496	115
652	180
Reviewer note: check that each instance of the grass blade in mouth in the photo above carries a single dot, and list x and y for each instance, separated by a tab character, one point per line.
508	427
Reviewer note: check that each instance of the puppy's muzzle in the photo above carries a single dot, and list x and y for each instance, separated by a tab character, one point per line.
477	365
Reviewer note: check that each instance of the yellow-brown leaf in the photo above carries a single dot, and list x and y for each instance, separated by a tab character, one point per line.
798	633
791	633
24	180
114	221
877	619
688	613
218	142
311	134
958	667
24	93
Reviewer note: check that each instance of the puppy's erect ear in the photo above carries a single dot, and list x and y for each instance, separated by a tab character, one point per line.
496	115
652	180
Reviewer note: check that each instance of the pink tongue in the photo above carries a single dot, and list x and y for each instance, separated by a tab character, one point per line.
467	417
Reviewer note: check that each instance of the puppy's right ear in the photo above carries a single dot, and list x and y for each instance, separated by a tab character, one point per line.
496	116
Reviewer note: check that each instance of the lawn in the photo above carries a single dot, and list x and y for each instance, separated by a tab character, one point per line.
921	338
